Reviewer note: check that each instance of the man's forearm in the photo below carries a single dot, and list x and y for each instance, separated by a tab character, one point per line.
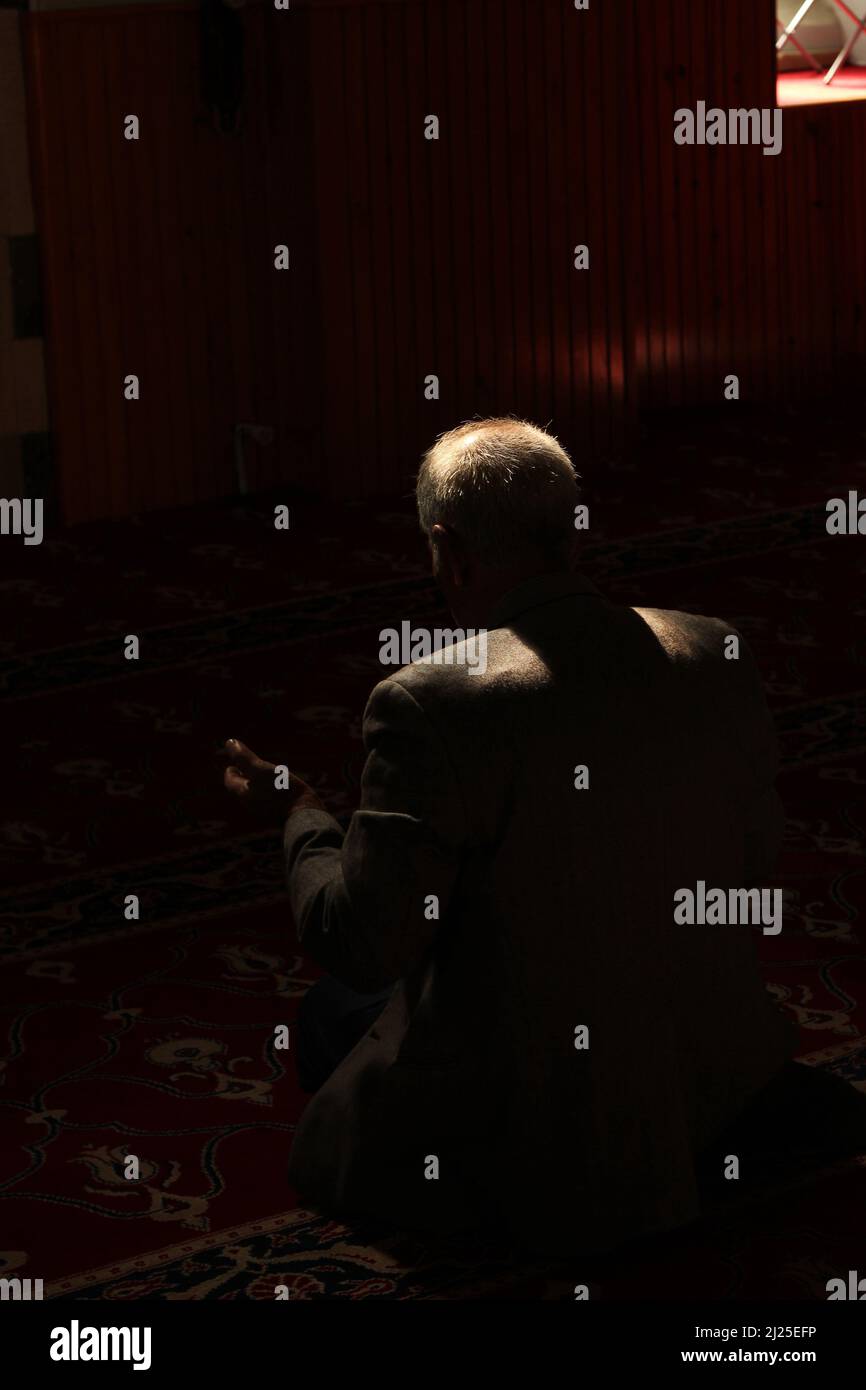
326	924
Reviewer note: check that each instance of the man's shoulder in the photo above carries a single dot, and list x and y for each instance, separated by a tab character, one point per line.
480	666
691	636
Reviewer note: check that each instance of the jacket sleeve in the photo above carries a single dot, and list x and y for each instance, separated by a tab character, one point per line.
362	903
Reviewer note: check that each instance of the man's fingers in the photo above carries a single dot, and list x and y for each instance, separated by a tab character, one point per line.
235	781
243	756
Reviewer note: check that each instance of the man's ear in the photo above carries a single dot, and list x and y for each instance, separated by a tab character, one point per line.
450	555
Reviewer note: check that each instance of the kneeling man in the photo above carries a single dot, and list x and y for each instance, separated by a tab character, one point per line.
517	1028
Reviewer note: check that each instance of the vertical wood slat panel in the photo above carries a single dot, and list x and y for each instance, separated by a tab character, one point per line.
95	250
798	281
665	53
504	371
751	175
163	405
334	245
643	212
66	398
197	378
764	95
690	161
209	175
399	324
151	420
518	169
608	41
539	208
558	251
80	274
476	80
185	287
386	402
269	201
118	276
809	274
270	186
770	250
852	183
715	346
740	213
783	242
817	301
579	228
459	147
828	195
853	176
410	60
833	309
589	153
701	342
446	410
640	139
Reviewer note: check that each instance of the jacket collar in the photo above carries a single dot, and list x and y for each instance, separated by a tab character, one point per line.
545	588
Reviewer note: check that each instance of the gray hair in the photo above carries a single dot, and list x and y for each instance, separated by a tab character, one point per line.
505	487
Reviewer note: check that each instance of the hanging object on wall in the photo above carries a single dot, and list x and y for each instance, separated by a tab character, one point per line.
222	63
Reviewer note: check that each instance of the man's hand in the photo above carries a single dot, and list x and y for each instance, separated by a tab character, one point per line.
251	779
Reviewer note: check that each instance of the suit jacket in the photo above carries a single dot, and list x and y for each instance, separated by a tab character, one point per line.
512	909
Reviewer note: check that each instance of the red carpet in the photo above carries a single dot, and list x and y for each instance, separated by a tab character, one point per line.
154	1037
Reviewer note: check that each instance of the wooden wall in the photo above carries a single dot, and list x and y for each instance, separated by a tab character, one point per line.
738	262
455	256
23	403
158	257
412	257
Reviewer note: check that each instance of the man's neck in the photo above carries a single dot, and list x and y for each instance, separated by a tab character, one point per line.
483	603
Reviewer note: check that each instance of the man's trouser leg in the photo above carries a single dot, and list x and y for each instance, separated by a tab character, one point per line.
332	1018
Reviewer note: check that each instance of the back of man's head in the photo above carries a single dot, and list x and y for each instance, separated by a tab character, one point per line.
505	490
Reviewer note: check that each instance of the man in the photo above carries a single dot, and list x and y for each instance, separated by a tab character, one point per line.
516	1030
